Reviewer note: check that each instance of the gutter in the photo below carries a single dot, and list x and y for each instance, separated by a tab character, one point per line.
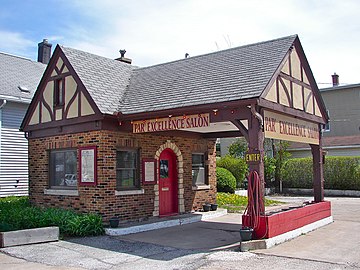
3	104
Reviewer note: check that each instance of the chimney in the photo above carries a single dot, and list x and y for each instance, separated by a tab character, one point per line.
335	79
44	51
122	57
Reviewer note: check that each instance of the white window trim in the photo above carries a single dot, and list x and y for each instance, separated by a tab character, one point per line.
129	192
65	192
201	187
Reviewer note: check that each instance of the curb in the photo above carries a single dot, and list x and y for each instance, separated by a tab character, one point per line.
268	243
29	236
194	217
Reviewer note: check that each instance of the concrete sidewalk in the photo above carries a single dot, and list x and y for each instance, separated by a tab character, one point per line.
200	245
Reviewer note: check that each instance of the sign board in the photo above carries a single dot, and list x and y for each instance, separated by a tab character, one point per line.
148	171
282	127
172	123
252	157
88	165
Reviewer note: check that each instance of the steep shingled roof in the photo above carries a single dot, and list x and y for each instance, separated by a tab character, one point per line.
16	71
233	74
105	79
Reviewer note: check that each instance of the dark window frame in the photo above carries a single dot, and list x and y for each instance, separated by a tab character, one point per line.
205	166
137	183
51	165
59	92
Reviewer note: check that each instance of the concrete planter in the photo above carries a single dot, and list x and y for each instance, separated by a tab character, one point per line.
29	236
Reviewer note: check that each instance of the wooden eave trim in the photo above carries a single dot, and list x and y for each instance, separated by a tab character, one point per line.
222	134
290	111
241	128
81	87
64	123
44	79
195	109
310	76
47	77
276	73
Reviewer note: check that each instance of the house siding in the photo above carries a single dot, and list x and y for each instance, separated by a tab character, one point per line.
14	151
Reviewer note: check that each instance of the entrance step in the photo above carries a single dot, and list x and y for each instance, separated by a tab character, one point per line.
159	223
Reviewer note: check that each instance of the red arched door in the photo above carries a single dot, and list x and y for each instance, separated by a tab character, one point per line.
168	183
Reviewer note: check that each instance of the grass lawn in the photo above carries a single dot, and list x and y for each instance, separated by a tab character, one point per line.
236	204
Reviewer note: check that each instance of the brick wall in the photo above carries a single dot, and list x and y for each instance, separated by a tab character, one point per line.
101	199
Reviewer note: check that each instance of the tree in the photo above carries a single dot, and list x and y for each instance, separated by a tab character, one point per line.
238	148
280	155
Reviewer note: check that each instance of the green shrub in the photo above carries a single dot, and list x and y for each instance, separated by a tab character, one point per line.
226	181
17	213
237	166
269	170
339	173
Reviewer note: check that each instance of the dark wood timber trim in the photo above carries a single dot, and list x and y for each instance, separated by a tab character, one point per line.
244	131
276	74
290	111
48	107
62	123
294	80
236	105
311	79
223	134
71	101
286	90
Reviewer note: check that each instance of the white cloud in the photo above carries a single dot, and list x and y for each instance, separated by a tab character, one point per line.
159	31
16	43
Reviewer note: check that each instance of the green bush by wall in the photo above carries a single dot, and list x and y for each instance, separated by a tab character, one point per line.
341	173
16	213
226	181
237	166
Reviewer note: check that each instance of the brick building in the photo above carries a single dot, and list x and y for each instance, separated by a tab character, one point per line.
108	137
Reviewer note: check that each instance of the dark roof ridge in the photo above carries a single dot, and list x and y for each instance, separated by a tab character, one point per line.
225	50
97	55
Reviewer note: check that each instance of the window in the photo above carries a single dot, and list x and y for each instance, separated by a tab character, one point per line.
63	169
127	169
199	171
59	92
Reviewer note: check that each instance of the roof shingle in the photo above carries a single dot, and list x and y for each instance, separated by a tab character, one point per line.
229	75
17	71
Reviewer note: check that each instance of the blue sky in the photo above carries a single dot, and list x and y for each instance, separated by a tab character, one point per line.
160	31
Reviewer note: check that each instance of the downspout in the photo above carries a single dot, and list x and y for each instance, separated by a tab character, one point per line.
1	107
3	103
257	115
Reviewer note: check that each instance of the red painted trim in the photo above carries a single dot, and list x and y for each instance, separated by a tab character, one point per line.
289	220
81	182
144	181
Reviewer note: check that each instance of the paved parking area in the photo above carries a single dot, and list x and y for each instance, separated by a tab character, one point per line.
337	243
198	246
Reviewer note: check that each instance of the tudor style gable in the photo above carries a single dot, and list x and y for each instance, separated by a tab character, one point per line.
61	97
293	85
